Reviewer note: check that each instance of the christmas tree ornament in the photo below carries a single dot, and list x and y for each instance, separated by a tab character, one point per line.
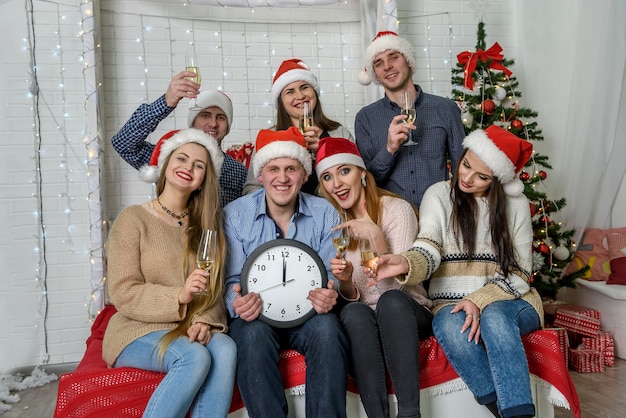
543	248
543	175
517	124
499	93
467	118
488	106
533	208
561	253
524	176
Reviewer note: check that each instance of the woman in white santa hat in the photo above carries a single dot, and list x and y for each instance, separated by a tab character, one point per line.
383	321
475	245
293	85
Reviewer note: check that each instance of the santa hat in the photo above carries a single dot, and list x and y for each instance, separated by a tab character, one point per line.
384	41
210	98
272	144
333	151
503	152
289	71
174	139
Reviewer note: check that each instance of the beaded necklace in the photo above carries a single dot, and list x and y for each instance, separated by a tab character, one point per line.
172	214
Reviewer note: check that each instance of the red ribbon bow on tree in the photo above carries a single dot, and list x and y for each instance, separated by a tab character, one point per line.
470	60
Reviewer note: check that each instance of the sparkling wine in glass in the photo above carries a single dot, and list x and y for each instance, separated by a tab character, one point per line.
369	255
191	62
205	257
341	241
306	118
407	107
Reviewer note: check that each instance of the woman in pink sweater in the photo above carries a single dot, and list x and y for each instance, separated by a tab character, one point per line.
160	324
385	322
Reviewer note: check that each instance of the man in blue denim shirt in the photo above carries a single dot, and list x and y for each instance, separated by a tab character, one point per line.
381	135
279	210
210	111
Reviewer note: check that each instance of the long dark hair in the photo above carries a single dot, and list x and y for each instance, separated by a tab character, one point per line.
283	120
464	220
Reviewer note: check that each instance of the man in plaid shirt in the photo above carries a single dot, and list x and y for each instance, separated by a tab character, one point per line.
210	111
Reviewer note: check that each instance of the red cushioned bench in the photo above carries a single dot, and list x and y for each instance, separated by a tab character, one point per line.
94	390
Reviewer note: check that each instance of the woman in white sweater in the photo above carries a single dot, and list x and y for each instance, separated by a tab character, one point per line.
384	323
160	325
475	244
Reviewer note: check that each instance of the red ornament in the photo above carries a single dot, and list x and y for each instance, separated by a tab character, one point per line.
533	209
517	124
543	175
524	176
488	106
545	220
543	248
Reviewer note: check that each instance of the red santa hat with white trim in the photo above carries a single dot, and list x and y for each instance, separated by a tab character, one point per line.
272	144
503	152
291	70
173	139
385	40
334	151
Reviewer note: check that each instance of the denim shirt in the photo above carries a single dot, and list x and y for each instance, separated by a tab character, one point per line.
248	225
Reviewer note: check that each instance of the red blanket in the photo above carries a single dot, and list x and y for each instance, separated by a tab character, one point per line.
94	390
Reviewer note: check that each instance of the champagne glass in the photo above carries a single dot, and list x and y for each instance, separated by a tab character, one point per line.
407	107
341	241
205	258
369	255
306	118
191	62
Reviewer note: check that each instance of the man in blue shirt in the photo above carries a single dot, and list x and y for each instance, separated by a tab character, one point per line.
279	210
381	135
210	111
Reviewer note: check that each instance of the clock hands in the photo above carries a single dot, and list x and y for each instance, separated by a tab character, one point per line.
284	270
276	285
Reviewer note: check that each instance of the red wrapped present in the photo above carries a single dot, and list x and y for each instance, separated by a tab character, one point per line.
585	361
585	321
604	344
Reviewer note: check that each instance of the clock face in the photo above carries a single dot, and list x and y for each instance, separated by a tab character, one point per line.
282	272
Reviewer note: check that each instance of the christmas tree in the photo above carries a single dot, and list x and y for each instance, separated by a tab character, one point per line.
487	93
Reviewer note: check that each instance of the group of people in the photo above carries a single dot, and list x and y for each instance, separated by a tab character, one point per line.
470	245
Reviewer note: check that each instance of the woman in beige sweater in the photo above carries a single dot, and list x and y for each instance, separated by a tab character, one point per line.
384	321
161	325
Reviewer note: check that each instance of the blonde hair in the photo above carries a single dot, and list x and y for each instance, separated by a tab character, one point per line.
373	205
205	212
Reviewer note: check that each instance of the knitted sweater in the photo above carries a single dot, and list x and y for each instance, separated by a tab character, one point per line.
399	225
144	279
435	254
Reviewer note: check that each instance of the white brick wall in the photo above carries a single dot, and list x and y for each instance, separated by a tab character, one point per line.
238	50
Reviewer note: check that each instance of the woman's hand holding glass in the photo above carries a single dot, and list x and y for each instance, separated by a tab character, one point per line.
341	268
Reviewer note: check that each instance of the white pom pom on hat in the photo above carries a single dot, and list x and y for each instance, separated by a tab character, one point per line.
383	41
503	152
173	139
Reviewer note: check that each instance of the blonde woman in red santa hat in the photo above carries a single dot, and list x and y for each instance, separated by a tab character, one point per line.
152	278
293	86
475	245
384	323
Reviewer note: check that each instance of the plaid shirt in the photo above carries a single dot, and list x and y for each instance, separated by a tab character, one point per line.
131	144
410	171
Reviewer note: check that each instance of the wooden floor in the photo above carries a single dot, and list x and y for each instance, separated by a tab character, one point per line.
601	395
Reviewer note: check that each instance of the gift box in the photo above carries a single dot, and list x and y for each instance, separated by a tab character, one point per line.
603	343
563	342
585	321
585	361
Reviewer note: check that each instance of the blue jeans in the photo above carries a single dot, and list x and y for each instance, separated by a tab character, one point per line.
198	376
387	339
323	344
496	369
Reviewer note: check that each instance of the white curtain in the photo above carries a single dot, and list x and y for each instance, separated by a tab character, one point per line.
574	61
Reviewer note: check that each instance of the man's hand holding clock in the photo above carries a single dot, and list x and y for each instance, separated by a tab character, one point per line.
322	299
249	306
